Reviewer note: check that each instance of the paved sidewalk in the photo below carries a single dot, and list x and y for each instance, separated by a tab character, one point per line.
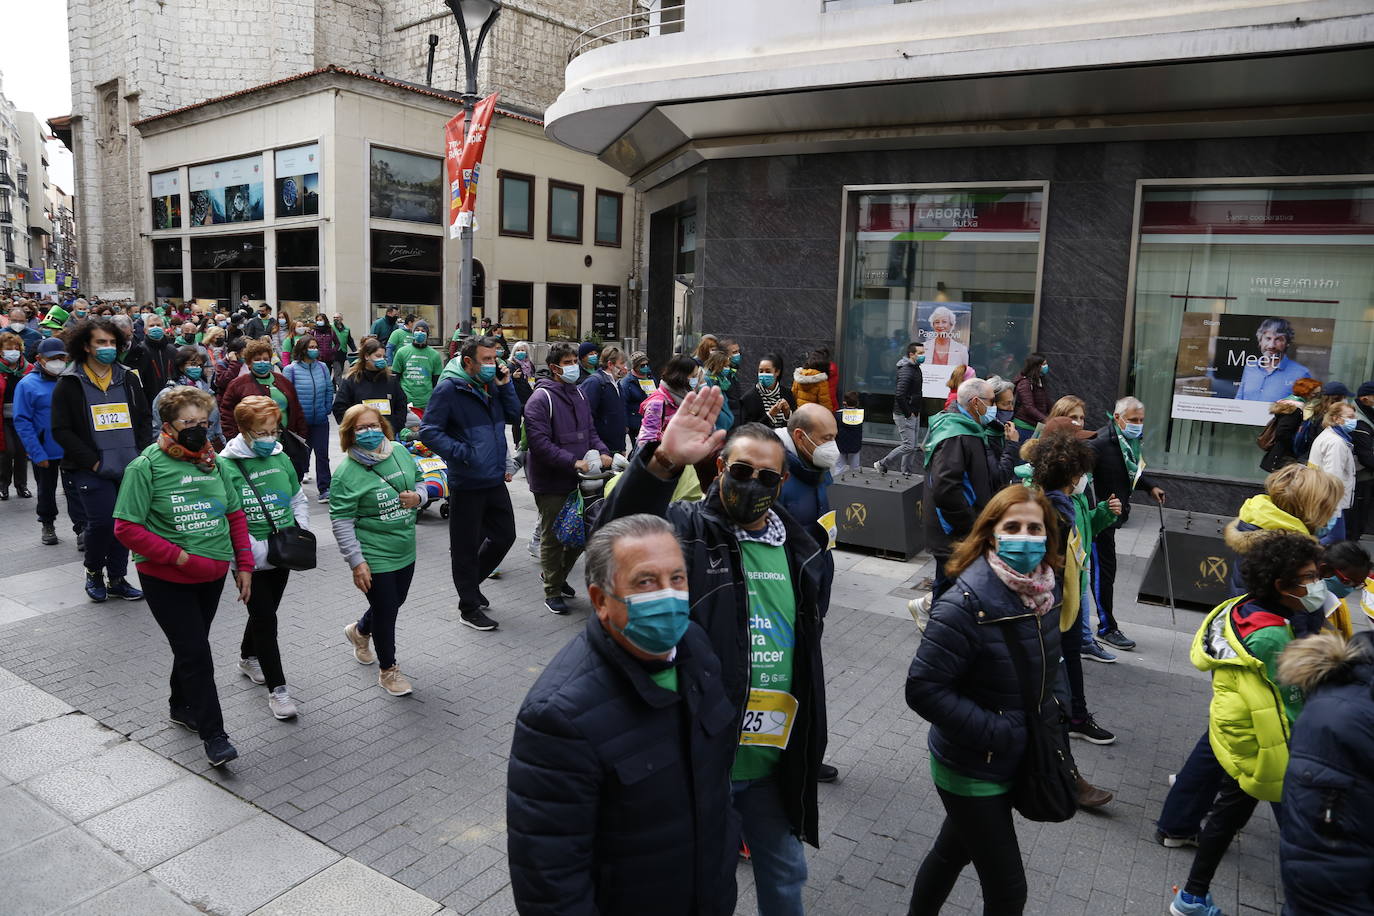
413	788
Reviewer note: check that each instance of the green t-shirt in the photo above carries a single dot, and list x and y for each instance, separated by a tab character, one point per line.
385	528
957	783
417	368
277	484
179	502
773	642
399	337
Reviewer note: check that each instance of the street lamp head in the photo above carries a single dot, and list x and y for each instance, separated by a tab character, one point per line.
473	14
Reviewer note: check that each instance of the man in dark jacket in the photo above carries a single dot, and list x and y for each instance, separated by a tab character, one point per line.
753	575
158	363
260	324
963	472
906	411
602	389
1118	471
559	429
465	424
618	788
19	325
1362	439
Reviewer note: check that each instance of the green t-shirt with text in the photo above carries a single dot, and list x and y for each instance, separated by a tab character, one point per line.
772	644
179	502
385	528
417	368
276	483
399	338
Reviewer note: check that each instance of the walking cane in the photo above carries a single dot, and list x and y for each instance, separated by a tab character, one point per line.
1168	567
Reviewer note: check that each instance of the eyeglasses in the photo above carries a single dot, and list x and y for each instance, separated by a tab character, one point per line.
363	428
740	471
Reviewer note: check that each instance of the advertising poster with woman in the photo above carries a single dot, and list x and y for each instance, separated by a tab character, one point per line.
943	328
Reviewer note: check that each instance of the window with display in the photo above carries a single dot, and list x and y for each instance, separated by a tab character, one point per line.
405	186
166	199
515	302
298	266
226	192
1239	292
955	269
563	312
408	272
297	184
168	282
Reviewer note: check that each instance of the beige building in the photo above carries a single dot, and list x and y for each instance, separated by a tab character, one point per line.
325	191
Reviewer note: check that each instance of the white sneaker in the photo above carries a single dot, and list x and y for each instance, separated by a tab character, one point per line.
250	669
281	704
919	609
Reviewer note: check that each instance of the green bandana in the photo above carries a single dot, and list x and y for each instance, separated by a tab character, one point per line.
949	424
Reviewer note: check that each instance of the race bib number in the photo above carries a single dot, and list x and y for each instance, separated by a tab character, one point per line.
852	416
432	465
647	386
768	718
827	521
107	417
381	405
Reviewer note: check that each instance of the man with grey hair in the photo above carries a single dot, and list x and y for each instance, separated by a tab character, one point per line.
618	786
962	473
18	324
159	359
1270	375
1118	471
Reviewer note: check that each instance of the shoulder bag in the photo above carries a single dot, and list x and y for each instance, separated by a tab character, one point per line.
291	547
1045	787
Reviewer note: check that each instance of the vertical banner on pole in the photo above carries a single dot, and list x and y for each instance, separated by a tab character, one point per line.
453	159
472	158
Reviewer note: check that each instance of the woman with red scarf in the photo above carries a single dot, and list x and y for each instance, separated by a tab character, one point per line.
181	516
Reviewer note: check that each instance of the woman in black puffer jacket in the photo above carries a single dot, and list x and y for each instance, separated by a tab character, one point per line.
964	681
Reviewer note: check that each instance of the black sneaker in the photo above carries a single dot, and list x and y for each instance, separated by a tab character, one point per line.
95	585
568	591
1089	730
827	773
184	719
557	606
477	620
219	751
482	601
1118	640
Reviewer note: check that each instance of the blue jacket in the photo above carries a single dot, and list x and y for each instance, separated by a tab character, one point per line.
31	340
468	430
634	396
608	409
1326	847
33	416
314	389
805	496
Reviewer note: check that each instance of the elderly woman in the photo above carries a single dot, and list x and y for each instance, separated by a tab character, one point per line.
261	379
372	508
14	461
191	372
1334	453
180	514
271	494
941	341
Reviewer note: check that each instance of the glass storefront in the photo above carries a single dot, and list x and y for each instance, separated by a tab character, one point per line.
225	267
1240	290
298	272
955	268
407	271
168	284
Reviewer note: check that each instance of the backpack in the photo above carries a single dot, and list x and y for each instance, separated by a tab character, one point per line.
1265	440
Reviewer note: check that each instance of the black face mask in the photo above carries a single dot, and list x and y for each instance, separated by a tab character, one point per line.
193	438
745	501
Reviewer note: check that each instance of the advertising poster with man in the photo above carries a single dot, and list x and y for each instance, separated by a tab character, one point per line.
943	328
1232	367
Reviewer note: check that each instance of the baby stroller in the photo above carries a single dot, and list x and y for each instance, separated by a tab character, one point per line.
433	469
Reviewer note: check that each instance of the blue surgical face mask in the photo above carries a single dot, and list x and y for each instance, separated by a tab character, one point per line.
1315	599
1324	530
1134	430
194	372
1022	552
370	439
693	382
261	367
656	620
1350	425
312	353
156	333
379	363
734	359
1337	587
920	359
486	373
264	446
766	379
420	338
1004	416
106	355
990	416
570	373
593	360
1044	368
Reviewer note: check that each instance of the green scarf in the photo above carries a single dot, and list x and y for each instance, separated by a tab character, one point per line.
1130	452
341	335
949	424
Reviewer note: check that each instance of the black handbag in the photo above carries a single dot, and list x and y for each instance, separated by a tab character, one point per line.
1045	787
291	547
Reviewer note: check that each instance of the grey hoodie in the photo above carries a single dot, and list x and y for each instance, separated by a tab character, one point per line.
238	447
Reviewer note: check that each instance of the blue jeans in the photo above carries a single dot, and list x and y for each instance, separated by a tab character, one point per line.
103	550
904	455
775	851
1191	795
317	435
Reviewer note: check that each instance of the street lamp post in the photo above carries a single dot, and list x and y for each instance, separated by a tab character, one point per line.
479	15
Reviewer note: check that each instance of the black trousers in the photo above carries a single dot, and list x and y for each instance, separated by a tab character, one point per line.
1230	812
977	830
45	480
185	613
1071	645
481	530
260	633
14	460
1104	565
384	600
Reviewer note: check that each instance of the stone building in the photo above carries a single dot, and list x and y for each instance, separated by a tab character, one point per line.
141	59
14	180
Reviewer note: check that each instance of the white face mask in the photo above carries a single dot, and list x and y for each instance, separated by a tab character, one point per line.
11	356
1082	486
55	366
826	456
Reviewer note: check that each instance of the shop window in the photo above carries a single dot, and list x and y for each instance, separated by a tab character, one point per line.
166	199
405	186
224	267
565	211
298	270
517	204
515	302
226	192
168	282
563	311
609	206
407	271
956	269
1239	291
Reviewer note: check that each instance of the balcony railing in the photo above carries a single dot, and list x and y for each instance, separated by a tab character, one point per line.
664	20
6	216
6	179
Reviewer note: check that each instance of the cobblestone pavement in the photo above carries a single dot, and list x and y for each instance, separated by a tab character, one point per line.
414	787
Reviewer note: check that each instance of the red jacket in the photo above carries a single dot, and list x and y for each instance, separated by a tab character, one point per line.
245	386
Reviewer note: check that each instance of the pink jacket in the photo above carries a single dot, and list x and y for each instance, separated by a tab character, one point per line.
657	409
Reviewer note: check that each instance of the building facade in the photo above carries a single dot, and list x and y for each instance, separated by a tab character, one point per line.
33	185
14	191
143	58
1175	202
325	192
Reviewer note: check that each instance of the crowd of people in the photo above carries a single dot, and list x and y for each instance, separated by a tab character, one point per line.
685	724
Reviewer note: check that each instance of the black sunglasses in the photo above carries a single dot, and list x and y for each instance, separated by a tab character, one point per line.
740	471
